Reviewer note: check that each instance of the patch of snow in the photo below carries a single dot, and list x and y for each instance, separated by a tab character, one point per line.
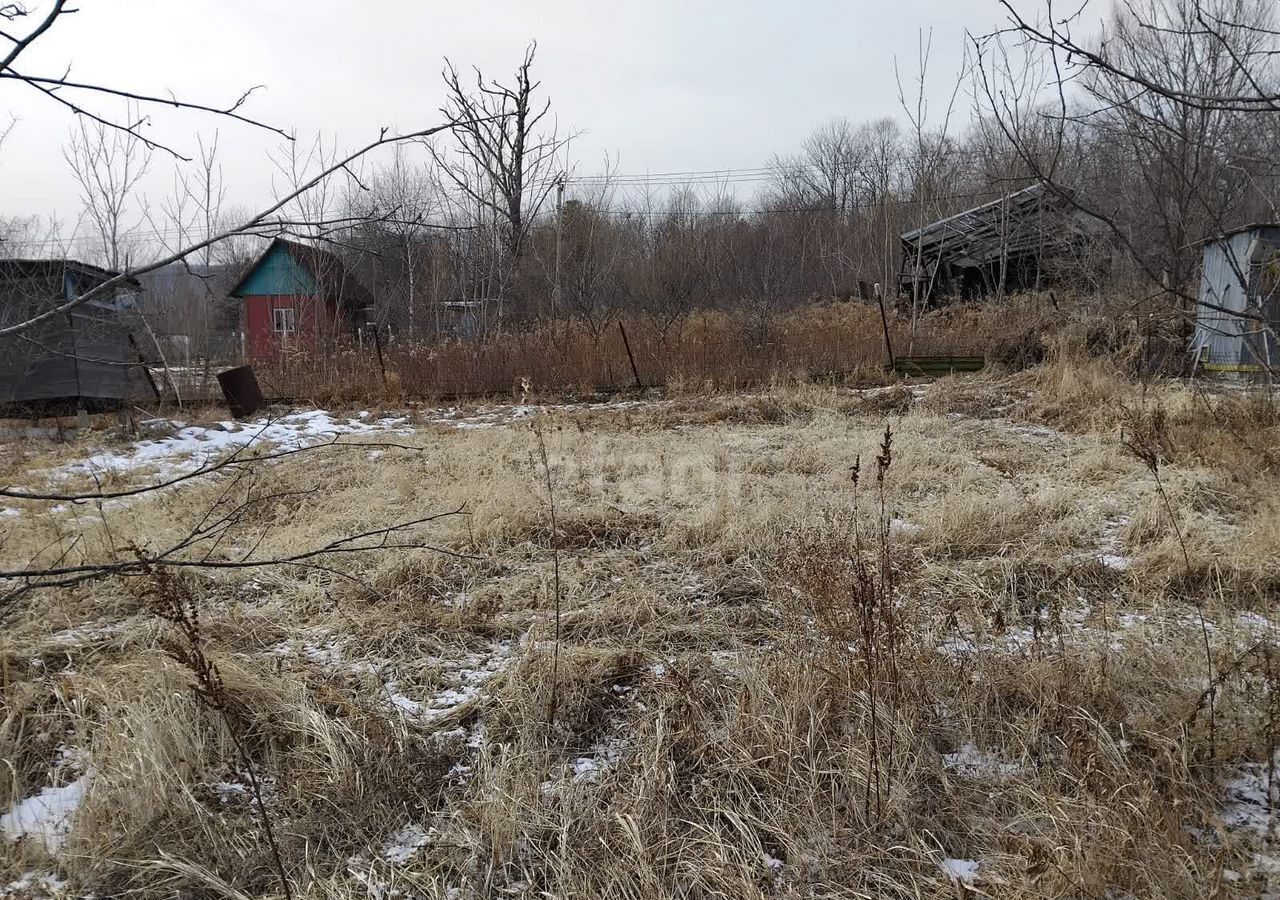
456	601
236	789
1257	625
903	527
771	862
1248	802
83	634
971	762
8	512
1112	561
962	870
1012	641
465	677
484	417
46	816
1041	432
34	884
402	845
585	768
401	702
327	654
592	766
230	791
1267	863
194	446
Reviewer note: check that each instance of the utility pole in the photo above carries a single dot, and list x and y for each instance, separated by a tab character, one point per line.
555	294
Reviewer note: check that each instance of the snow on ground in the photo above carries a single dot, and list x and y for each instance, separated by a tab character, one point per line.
1080	627
402	845
1112	561
962	870
34	884
46	816
496	416
191	447
600	758
463	676
971	762
87	633
1250	805
322	654
230	791
904	528
1248	799
1108	553
194	446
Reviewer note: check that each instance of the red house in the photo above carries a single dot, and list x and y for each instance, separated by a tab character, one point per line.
298	298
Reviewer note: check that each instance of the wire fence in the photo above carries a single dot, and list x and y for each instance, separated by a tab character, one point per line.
717	351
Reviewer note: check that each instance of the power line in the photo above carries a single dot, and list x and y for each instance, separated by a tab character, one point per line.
677	179
808	210
615	213
781	167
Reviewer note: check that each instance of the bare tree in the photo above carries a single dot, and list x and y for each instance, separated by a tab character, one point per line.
108	164
191	304
1241	30
76	96
402	198
269	220
1176	96
828	173
930	151
504	154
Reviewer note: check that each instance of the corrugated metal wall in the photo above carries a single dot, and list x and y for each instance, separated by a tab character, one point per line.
1230	279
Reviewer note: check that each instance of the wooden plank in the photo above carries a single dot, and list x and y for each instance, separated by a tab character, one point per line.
938	365
1231	367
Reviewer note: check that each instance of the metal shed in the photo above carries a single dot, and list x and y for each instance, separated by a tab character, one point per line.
86	358
1239	310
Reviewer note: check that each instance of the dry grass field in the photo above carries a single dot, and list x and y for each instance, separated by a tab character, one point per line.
690	646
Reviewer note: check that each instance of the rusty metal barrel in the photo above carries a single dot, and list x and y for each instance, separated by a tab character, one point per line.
240	387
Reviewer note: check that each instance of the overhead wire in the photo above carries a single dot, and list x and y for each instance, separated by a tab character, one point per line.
672	179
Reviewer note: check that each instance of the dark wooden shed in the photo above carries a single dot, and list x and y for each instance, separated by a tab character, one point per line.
86	358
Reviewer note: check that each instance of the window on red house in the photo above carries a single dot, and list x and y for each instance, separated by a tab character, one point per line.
283	321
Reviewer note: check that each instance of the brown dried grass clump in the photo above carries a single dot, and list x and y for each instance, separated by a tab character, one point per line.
704	351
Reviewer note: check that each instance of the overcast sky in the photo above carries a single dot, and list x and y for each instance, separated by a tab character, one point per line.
660	85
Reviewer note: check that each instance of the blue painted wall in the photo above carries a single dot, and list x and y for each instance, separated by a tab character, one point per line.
278	274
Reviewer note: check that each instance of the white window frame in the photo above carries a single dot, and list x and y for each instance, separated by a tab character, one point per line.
284	320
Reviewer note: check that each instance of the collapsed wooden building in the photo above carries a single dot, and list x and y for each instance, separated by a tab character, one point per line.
1024	241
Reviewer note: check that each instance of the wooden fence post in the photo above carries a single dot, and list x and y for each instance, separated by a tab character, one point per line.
626	343
382	367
